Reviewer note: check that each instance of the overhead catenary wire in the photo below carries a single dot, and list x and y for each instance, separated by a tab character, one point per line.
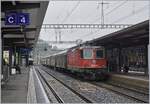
107	13
60	12
98	19
122	18
78	4
73	9
115	8
104	10
129	15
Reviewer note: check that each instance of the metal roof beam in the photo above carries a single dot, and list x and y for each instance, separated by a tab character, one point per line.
13	36
17	39
6	6
125	43
12	32
17	44
16	30
83	26
134	28
13	40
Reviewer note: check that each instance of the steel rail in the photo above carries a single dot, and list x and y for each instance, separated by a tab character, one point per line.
107	86
59	99
128	88
77	93
43	96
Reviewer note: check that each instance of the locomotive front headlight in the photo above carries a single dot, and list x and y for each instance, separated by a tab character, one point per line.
94	61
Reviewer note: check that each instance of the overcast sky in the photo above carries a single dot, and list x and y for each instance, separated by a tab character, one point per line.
69	12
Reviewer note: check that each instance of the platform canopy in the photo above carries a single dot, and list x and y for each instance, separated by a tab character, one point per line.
132	36
22	36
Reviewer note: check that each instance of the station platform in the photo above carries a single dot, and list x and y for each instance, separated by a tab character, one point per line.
130	75
15	90
137	81
24	88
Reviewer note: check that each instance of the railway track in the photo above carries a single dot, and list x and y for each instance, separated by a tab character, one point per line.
134	89
60	99
131	93
104	92
127	92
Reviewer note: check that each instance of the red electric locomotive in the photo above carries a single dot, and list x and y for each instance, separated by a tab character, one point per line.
89	61
86	61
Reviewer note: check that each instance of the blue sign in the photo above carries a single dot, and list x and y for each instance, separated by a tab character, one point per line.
25	51
11	19
17	19
23	18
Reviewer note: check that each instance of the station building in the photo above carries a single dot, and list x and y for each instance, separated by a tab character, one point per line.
127	47
19	36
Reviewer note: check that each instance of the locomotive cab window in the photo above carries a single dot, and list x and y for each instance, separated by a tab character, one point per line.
87	53
99	53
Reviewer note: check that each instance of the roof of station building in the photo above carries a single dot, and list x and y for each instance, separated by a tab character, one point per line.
23	36
132	36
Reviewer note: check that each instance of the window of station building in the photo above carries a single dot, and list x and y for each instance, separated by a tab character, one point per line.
99	53
87	53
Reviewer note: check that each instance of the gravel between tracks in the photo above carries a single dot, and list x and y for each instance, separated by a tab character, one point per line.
49	93
66	95
126	92
95	93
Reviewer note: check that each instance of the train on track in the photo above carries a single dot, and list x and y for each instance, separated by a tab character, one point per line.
30	61
88	62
